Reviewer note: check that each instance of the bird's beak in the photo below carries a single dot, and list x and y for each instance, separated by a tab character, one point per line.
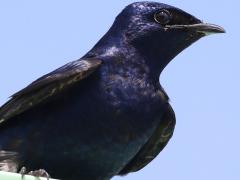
203	28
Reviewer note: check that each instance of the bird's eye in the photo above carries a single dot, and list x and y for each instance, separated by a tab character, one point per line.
162	17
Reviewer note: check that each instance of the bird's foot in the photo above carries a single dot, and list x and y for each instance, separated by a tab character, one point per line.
36	173
40	173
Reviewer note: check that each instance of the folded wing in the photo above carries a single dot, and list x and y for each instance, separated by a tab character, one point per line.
47	86
155	144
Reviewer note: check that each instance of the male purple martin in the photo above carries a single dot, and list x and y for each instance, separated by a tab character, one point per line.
106	113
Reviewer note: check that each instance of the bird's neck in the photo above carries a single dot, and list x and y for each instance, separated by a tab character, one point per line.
107	45
156	53
145	53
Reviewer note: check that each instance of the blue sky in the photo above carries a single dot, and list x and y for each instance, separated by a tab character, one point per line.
203	81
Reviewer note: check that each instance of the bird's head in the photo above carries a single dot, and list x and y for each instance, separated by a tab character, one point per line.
141	20
158	31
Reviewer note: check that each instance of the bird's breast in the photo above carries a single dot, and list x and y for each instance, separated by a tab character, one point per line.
133	100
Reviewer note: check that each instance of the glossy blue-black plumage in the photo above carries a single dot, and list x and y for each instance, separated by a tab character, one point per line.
104	114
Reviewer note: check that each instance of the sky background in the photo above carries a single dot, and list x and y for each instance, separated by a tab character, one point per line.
202	82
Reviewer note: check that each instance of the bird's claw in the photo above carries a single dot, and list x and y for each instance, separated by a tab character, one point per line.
36	173
23	171
40	173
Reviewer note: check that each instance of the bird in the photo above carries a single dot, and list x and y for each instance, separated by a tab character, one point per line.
106	113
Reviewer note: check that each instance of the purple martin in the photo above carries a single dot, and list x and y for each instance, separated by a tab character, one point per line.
105	114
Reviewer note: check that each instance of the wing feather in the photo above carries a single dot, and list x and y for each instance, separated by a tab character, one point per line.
47	86
155	144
